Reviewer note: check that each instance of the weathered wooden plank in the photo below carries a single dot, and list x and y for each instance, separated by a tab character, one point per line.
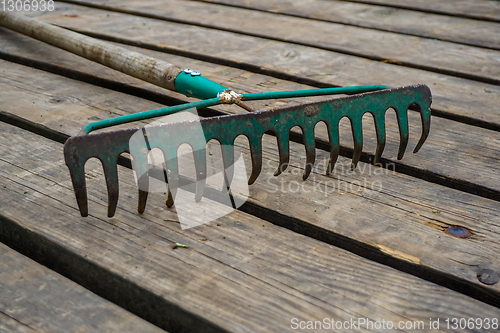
479	9
394	213
7	324
428	54
446	28
470	155
36	299
248	275
463	99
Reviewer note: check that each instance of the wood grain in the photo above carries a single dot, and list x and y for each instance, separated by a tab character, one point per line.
423	53
455	97
446	28
36	299
480	9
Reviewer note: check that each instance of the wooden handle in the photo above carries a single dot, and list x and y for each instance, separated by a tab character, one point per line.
138	65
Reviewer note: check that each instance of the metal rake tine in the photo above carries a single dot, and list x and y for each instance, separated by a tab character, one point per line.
106	147
110	167
310	146
333	137
380	131
425	114
77	173
200	164
170	198
139	149
402	114
283	151
172	167
143	182
157	137
256	154
357	136
228	163
76	166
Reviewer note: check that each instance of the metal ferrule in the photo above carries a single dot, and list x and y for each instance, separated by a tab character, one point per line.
229	97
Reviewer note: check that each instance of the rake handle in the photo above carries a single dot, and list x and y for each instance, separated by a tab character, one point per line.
135	64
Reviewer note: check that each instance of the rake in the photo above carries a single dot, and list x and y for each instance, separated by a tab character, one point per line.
108	146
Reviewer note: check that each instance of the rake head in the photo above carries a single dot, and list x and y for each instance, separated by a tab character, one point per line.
107	146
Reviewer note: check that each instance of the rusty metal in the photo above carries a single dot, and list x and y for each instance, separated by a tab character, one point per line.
458	231
488	277
107	146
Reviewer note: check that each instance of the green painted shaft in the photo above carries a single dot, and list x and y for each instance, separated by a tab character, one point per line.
209	88
146	115
312	92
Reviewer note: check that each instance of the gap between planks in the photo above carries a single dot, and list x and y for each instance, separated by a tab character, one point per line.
477	9
401	21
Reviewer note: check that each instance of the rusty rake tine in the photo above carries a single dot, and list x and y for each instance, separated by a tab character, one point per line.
310	146
283	151
76	167
172	167
256	154
402	114
333	137
425	114
380	131
143	198
200	164
357	136
228	162
170	198
77	174
139	148
111	174
143	183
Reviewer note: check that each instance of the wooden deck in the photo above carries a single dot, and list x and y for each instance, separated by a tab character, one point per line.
366	244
